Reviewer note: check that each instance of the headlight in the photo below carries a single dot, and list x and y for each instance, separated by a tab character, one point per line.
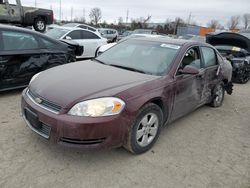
34	77
100	107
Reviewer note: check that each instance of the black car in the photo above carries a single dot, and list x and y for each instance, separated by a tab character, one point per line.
23	53
236	48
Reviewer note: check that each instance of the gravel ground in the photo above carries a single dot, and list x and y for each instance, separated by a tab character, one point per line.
207	148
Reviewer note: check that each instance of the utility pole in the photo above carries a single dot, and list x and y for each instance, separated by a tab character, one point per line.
83	13
60	10
71	14
189	18
35	3
127	16
51	7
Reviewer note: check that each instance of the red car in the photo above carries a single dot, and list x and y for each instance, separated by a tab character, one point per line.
126	95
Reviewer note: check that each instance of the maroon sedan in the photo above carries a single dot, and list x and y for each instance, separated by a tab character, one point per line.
126	95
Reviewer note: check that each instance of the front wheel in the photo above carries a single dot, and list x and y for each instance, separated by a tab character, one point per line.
39	25
146	129
218	95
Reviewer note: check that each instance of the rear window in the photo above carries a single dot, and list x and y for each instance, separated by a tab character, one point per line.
18	41
56	33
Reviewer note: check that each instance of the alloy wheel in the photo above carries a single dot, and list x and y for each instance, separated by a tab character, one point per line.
147	129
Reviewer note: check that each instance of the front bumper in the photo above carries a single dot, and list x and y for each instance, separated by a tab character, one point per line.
81	132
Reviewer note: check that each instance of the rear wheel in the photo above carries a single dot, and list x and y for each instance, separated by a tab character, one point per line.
146	129
39	25
245	77
218	95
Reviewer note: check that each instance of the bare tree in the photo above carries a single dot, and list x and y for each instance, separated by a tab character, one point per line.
214	24
178	21
246	20
95	15
234	22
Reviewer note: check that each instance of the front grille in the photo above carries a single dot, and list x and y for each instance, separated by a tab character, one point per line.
83	142
45	129
44	102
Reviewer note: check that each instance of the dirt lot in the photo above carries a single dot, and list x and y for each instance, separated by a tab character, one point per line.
208	148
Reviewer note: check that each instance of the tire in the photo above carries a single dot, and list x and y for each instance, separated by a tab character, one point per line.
244	78
114	39
143	134
218	94
39	25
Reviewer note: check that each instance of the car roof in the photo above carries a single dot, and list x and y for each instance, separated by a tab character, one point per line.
24	30
73	29
28	31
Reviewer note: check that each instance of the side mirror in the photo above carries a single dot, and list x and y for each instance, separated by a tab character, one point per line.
189	70
68	38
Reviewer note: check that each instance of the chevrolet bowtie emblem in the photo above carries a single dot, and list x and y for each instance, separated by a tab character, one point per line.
38	100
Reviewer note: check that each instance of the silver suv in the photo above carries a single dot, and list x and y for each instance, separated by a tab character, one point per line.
110	34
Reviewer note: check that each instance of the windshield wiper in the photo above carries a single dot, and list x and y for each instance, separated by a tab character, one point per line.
127	68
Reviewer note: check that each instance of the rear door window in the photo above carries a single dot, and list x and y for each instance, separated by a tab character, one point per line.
75	35
89	35
209	56
18	41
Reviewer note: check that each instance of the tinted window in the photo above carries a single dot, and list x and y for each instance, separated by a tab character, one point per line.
75	34
89	35
209	56
18	41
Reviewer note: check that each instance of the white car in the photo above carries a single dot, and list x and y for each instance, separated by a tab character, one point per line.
91	41
83	26
105	47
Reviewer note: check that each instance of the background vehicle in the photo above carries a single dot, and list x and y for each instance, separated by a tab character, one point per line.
105	47
139	85
90	40
235	47
24	53
25	16
124	34
145	31
110	34
83	26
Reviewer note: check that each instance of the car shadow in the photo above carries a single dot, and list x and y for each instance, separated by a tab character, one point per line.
11	92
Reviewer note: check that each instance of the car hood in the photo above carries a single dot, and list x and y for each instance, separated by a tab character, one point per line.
68	84
229	39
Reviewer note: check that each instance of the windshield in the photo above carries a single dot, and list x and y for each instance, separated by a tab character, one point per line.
56	33
144	56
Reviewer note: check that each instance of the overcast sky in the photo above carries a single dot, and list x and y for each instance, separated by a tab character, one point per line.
202	10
